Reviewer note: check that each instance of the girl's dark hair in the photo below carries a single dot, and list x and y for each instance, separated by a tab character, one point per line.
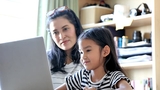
56	55
103	37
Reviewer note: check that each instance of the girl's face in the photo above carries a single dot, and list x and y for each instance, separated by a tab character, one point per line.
63	33
92	56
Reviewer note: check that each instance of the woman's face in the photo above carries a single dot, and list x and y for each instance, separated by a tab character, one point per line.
63	33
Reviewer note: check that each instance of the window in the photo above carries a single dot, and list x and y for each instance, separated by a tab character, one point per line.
18	19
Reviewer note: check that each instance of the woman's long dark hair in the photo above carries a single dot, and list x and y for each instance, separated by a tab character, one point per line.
103	37
56	55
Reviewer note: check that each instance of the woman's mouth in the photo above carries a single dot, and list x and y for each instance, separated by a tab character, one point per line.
64	42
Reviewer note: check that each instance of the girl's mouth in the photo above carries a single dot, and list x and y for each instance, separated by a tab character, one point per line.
85	62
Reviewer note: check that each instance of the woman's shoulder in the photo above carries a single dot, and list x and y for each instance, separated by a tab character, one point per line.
50	54
81	66
49	51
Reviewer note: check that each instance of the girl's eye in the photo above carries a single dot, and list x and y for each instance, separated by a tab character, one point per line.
88	50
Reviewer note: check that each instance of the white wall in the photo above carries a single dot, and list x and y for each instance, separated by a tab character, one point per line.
18	19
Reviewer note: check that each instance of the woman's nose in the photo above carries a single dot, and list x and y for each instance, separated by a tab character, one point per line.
61	35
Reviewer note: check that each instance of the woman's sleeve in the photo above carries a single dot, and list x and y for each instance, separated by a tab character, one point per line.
73	82
117	76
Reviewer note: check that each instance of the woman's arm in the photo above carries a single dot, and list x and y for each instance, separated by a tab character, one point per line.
123	85
62	87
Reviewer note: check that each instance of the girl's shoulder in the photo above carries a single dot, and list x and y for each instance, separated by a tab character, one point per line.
83	72
111	73
116	76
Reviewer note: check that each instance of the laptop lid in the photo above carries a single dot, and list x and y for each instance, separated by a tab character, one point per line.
24	65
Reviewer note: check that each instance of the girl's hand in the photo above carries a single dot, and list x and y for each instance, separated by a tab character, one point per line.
90	88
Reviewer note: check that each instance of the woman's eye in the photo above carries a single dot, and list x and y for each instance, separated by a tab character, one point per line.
65	29
55	32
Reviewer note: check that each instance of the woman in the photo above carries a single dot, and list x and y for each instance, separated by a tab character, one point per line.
64	28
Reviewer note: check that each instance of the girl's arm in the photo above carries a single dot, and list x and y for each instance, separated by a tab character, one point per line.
62	87
123	85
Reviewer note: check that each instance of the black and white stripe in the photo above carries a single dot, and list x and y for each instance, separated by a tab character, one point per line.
58	78
82	79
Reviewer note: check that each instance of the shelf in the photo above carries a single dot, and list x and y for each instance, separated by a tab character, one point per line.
137	21
109	23
137	65
141	20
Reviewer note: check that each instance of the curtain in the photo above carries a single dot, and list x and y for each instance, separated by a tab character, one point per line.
44	7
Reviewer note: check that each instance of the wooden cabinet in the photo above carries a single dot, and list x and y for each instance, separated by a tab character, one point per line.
146	24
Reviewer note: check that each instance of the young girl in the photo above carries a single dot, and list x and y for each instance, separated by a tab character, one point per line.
102	70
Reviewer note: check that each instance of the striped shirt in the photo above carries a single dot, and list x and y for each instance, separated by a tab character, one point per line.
82	79
58	78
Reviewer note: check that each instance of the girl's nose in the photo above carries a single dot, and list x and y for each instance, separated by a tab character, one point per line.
83	56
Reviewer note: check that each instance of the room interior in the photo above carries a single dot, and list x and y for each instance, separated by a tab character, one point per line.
148	23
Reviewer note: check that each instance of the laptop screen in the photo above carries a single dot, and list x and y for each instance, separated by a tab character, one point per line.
24	65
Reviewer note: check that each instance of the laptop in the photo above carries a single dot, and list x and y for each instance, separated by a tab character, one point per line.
24	65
